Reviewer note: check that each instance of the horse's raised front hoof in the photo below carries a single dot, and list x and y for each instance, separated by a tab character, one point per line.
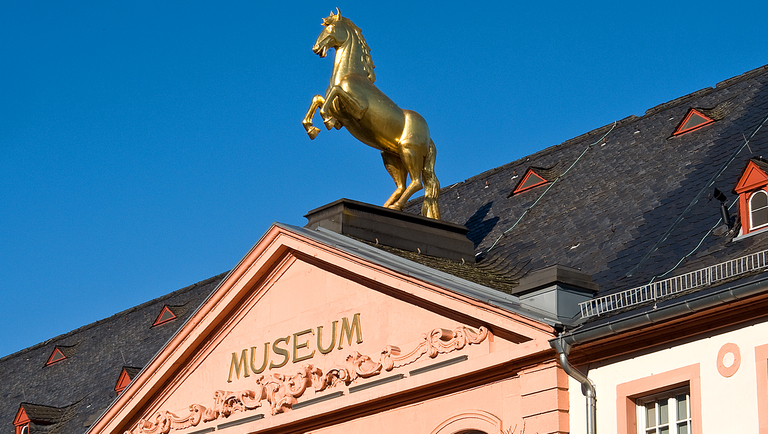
329	123
313	132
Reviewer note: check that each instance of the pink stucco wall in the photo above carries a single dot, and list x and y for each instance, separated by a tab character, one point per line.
284	290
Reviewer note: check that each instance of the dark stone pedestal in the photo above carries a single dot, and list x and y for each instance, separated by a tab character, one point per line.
394	228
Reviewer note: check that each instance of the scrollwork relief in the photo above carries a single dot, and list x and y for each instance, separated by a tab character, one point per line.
281	391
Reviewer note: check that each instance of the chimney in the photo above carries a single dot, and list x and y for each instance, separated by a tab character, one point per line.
557	290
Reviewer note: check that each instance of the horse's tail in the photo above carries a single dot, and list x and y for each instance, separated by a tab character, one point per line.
430	208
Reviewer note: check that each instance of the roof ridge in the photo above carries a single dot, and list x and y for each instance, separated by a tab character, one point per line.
600	130
111	317
745	76
701	92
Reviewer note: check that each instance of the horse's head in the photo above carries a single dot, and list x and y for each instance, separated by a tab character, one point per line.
334	34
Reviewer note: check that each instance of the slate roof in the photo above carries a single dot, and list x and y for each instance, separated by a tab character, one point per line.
624	203
43	414
633	201
68	396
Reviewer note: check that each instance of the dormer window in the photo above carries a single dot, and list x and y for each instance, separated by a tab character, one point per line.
536	176
165	315
40	415
694	120
21	421
56	356
752	189
758	210
126	376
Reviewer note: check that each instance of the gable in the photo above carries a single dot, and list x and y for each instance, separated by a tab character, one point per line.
300	324
21	417
752	177
529	181
692	121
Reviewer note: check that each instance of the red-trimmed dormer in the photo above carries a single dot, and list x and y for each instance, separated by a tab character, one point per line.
529	181
536	176
126	376
692	121
36	414
753	196
165	315
59	353
21	421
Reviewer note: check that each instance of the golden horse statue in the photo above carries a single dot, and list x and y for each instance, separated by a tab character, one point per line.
352	101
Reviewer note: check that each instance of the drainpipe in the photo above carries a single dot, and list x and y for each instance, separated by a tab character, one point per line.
587	386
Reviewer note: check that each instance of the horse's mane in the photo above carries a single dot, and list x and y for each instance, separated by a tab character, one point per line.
367	61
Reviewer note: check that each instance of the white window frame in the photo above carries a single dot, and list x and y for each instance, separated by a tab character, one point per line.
752	210
673	419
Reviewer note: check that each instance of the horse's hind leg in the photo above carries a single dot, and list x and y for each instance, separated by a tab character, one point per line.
412	156
398	173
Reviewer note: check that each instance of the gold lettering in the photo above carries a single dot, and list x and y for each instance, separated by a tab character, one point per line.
264	363
320	339
305	344
346	330
236	365
280	351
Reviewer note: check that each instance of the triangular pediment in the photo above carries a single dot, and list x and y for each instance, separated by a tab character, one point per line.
166	314
692	121
304	325
21	416
56	356
530	180
752	178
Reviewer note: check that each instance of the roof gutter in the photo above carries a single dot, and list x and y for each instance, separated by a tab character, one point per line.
727	294
587	386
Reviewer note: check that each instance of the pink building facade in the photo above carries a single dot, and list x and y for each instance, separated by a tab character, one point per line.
306	337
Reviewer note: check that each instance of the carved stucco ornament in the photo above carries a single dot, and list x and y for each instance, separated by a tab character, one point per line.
352	101
282	391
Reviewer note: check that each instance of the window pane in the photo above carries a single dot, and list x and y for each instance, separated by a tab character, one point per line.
682	428
532	180
664	430
682	407
759	200
693	121
663	411
759	217
650	415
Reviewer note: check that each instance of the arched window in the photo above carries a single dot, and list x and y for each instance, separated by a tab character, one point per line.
470	422
758	209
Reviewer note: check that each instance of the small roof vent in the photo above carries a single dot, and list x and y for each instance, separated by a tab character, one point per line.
60	353
530	180
694	120
127	374
536	176
165	316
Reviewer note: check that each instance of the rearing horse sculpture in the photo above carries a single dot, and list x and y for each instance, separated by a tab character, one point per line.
352	101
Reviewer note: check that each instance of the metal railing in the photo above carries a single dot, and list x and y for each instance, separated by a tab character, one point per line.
674	285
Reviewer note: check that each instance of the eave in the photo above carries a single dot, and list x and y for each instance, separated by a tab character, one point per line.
680	318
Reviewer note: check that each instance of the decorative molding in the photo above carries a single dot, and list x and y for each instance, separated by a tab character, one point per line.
282	391
473	420
728	370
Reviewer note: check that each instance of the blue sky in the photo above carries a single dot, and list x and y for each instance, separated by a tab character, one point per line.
145	146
